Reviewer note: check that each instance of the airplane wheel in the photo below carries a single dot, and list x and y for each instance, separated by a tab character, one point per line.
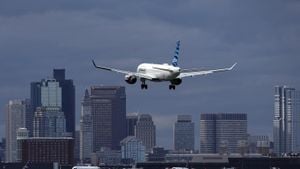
172	87
144	86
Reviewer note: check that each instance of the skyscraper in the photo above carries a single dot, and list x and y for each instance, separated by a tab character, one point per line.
145	130
86	130
208	133
222	132
131	120
49	120
35	101
67	98
14	119
108	109
286	123
183	133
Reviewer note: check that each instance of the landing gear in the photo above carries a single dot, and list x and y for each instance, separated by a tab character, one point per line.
172	87
144	86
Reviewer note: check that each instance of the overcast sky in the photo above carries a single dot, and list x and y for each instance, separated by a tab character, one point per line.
262	36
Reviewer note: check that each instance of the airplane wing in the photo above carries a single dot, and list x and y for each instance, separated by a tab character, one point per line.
140	75
191	73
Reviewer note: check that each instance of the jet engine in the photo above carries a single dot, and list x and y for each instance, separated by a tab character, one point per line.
130	79
176	81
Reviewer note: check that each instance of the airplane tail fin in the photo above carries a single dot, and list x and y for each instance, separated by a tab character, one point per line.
175	57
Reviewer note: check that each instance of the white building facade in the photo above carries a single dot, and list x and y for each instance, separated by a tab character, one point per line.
14	119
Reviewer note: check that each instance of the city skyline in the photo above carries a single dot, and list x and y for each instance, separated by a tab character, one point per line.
171	147
197	145
37	37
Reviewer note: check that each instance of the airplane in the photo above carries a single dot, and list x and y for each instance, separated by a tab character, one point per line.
162	72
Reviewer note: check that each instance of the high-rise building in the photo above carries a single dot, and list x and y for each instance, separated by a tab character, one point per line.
65	98
49	120
86	130
14	119
133	148
131	120
108	109
208	133
222	133
68	99
145	130
35	101
183	133
286	123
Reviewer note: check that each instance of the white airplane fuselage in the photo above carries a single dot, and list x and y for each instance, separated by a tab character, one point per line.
159	72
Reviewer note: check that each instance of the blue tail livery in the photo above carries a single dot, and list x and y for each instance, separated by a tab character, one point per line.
175	58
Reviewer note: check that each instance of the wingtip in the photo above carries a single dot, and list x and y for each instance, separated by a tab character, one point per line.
94	63
233	66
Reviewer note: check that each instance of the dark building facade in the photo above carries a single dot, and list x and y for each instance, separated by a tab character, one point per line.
35	101
131	121
108	109
48	150
68	99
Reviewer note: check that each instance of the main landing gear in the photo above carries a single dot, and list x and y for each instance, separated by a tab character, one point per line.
144	86
171	86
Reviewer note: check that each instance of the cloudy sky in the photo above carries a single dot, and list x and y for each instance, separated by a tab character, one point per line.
262	36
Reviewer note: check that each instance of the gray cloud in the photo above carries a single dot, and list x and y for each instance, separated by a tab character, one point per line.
263	37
